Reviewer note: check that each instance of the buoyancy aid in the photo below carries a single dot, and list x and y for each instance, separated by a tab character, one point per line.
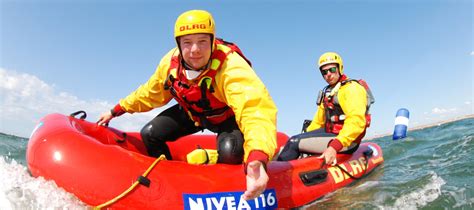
333	112
196	96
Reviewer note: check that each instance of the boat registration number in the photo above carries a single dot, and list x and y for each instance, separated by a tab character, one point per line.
230	200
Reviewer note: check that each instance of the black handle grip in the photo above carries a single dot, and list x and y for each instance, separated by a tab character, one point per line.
84	114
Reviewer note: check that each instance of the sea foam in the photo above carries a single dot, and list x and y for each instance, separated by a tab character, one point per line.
422	196
18	190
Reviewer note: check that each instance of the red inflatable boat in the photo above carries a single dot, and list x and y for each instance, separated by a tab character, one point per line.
98	163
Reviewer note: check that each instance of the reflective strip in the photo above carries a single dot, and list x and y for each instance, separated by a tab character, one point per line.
400	120
224	48
215	64
173	72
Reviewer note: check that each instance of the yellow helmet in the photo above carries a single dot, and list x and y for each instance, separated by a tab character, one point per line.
194	22
331	57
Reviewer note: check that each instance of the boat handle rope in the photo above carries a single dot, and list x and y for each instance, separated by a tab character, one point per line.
141	180
367	154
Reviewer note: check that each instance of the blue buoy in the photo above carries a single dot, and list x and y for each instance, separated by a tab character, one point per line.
401	124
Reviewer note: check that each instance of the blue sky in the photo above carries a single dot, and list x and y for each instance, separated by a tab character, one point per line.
63	56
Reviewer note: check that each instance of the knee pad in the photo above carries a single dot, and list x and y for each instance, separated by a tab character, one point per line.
230	149
291	150
155	145
146	132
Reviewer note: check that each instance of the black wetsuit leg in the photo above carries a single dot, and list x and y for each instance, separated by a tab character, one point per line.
169	125
319	139
292	150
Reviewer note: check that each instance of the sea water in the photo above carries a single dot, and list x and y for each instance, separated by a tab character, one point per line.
433	168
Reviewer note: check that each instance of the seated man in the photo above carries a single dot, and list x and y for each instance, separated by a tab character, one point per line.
341	119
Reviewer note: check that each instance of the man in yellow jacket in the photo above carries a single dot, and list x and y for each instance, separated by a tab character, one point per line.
341	119
216	89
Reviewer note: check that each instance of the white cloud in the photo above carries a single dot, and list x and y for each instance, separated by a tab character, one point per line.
472	52
25	99
443	111
438	111
439	114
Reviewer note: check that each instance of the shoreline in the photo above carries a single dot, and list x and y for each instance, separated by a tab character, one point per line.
370	137
424	126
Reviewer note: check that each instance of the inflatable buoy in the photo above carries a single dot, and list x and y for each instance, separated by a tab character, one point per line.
401	124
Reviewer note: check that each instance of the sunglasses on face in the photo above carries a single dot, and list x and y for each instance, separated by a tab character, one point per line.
325	71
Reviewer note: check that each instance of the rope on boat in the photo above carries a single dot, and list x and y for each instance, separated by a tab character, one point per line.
134	185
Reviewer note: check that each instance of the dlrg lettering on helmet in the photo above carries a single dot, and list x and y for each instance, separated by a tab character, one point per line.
192	27
194	22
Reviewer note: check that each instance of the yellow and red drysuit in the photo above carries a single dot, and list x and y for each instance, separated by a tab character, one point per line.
345	113
231	82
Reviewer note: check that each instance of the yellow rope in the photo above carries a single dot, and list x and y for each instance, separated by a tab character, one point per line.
162	157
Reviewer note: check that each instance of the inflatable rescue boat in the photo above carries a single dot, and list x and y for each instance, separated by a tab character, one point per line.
109	168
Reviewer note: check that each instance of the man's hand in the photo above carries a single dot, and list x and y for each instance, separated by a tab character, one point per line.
257	180
105	118
329	156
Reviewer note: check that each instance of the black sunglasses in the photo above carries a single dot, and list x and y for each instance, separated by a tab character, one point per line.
325	71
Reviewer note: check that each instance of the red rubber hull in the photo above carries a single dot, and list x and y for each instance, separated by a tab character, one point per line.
88	161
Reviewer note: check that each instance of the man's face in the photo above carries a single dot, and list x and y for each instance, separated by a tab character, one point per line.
330	73
196	49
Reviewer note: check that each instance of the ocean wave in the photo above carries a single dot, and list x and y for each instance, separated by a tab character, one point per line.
431	169
421	197
18	190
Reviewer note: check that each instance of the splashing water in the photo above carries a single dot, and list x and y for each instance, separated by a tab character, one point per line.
21	191
421	197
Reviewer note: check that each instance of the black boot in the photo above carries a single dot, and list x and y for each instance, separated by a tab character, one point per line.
291	150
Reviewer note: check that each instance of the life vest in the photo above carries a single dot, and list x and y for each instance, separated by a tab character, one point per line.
195	96
333	112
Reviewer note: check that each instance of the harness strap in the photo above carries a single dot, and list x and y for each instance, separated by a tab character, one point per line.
210	112
201	110
204	102
334	110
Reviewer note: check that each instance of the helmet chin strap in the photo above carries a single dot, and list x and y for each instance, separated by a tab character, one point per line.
188	67
341	77
191	73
